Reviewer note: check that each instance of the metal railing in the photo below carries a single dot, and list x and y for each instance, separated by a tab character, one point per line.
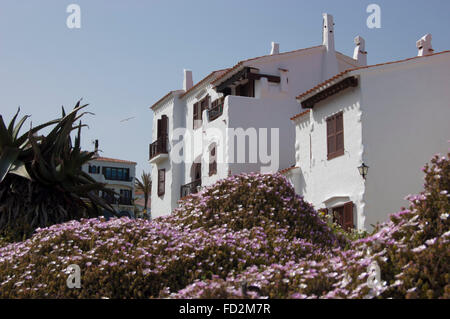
110	199
191	188
215	112
159	146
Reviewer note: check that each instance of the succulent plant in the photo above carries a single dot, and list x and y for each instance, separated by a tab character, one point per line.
41	180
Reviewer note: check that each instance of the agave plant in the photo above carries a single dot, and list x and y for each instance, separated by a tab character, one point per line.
41	180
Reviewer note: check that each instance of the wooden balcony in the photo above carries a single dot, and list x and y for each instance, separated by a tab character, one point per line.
191	188
159	149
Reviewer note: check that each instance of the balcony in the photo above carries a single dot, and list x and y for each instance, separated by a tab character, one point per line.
191	188
112	200
158	150
215	112
118	178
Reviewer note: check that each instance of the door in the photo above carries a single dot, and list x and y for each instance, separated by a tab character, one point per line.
197	171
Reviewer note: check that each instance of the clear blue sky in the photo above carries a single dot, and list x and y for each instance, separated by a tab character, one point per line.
128	54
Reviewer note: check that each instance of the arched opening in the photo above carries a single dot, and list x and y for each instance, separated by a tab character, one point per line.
213	159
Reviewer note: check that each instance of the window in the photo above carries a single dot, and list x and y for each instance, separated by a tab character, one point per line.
94	169
161	182
216	109
125	197
198	109
343	215
117	173
212	161
335	136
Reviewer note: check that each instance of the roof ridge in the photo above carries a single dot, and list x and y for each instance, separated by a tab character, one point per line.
201	82
110	159
296	116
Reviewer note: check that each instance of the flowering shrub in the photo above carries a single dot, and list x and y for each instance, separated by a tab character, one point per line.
246	236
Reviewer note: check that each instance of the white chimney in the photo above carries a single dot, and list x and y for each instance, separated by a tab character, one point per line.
424	45
330	65
360	53
328	32
275	48
187	81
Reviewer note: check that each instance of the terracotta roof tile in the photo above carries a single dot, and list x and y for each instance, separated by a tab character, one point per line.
318	86
284	171
113	160
300	115
162	99
205	79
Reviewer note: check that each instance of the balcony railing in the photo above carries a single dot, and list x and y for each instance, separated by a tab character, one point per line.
215	112
159	146
118	178
191	188
110	199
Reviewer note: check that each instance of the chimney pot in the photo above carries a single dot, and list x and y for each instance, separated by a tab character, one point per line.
360	53
187	81
328	32
424	45
275	48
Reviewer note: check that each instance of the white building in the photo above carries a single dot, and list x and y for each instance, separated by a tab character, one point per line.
199	132
392	117
118	175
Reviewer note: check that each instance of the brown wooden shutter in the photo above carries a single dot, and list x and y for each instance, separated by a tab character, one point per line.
203	106
339	133
195	114
331	140
164	125
348	216
335	136
158	135
161	182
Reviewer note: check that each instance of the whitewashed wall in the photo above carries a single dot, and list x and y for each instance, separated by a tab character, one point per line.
406	112
272	107
394	121
328	183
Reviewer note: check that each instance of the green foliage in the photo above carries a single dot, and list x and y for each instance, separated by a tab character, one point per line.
41	181
144	185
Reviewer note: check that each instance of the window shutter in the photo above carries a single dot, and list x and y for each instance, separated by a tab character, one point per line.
161	181
195	115
339	133
348	216
331	141
203	106
164	123
335	135
159	128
